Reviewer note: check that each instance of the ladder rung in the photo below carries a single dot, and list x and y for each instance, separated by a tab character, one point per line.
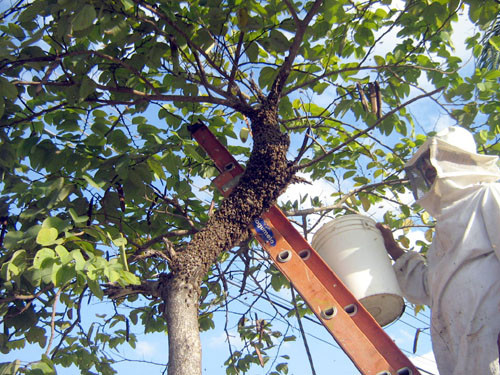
368	346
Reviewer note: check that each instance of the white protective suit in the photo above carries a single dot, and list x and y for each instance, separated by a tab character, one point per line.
460	278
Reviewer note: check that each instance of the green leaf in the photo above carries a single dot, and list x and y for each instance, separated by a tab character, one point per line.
157	168
55	222
130	278
47	236
95	288
87	87
77	219
266	77
10	368
84	18
36	335
79	260
44	367
2	106
279	42
63	254
91	182
349	174
44	257
62	274
192	152
7	89
19	257
482	12
365	202
364	37
127	4
119	241
495	42
244	132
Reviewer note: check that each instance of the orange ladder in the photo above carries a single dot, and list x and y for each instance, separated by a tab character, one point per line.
368	346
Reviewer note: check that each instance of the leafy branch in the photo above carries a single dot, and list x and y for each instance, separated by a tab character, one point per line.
369	128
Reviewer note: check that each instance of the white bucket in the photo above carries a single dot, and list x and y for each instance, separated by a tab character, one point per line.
354	249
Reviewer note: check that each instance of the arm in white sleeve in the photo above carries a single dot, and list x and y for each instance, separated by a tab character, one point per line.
411	272
490	212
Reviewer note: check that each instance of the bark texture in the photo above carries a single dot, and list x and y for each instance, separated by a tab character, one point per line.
267	174
181	313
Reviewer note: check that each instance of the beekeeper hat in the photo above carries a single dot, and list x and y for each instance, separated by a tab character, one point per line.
454	137
459	138
452	152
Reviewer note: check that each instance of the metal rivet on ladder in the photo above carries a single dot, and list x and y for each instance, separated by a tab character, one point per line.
329	313
305	254
284	256
351	309
405	371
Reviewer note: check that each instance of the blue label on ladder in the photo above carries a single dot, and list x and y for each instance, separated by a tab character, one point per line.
264	231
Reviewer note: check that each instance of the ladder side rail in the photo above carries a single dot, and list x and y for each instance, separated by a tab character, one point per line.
351	338
368	346
327	277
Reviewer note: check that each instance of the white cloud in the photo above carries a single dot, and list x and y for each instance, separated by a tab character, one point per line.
403	338
426	362
220	340
145	349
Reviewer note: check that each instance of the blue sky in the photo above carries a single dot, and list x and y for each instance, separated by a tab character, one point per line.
328	357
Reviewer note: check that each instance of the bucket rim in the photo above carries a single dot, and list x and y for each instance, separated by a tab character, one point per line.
335	221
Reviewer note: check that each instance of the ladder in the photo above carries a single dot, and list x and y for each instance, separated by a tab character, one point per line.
368	346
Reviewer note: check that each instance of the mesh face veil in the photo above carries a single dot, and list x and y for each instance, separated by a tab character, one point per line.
445	165
421	175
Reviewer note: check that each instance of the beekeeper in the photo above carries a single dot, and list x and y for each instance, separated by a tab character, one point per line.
460	276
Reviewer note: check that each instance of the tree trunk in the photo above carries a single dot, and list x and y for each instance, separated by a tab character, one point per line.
266	176
181	312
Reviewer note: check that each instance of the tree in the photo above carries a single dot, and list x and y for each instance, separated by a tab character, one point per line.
101	182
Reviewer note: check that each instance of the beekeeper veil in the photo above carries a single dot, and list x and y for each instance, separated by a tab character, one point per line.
447	168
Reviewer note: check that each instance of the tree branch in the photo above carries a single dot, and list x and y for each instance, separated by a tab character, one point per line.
189	41
359	68
302	332
292	12
237	55
341	202
53	321
284	71
73	325
141	96
115	291
390	113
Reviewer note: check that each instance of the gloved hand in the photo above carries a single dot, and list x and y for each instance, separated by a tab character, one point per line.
390	243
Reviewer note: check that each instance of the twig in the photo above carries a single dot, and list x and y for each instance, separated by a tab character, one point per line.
73	325
151	288
303	148
340	203
363	132
302	332
189	41
237	55
360	68
53	321
286	68
292	11
3	221
29	298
